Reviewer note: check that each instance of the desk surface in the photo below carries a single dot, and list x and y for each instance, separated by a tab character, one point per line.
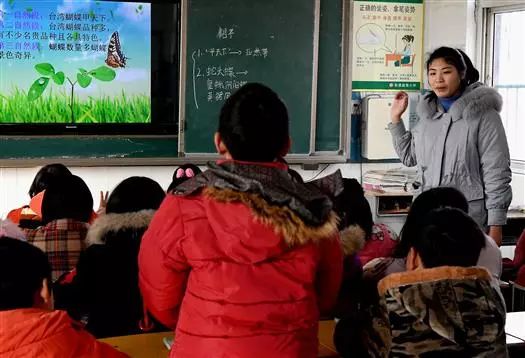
151	345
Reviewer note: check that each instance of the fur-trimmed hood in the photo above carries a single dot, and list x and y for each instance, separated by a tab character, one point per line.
475	100
455	309
282	219
116	222
352	239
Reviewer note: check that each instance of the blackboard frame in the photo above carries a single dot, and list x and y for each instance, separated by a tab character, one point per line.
339	156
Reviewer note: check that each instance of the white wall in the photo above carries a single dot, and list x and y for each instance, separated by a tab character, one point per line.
447	22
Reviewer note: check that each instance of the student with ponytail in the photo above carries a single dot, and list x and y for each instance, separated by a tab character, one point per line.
459	140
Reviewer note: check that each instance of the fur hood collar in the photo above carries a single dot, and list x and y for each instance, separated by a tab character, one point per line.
115	222
352	239
284	220
476	99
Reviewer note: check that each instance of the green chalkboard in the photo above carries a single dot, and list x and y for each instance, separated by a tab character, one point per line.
69	147
230	42
329	80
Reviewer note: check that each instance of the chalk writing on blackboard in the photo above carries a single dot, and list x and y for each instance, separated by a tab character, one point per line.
222	79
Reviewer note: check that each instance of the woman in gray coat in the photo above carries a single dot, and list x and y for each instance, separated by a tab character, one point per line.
459	140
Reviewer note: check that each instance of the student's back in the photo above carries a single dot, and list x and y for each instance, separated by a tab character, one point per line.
109	264
443	306
242	259
28	326
66	209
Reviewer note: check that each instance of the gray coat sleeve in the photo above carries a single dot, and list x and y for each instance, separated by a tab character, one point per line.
403	143
495	167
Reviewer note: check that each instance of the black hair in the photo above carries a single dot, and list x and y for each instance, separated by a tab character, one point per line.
408	38
23	267
46	175
459	60
448	237
440	197
135	194
253	124
181	179
67	198
352	207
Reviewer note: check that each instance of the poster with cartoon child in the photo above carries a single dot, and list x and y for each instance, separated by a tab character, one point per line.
387	45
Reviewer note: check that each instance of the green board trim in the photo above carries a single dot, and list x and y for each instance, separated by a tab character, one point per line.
394	1
385	86
87	147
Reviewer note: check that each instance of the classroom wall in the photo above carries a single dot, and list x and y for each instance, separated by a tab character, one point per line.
459	31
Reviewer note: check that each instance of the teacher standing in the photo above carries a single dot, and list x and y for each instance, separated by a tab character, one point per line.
459	140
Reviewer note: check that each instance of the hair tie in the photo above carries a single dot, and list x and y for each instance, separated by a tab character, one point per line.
190	173
180	173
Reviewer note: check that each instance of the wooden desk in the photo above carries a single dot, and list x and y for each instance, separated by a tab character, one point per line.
151	345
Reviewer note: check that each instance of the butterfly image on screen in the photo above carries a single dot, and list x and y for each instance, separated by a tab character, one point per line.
115	56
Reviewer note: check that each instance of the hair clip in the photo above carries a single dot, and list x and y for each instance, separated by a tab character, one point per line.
181	173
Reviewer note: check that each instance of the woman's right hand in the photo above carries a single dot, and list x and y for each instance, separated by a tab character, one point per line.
399	106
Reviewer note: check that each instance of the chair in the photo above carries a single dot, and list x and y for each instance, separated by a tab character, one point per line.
411	63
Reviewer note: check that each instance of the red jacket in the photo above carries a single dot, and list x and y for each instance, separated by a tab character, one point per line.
47	334
238	277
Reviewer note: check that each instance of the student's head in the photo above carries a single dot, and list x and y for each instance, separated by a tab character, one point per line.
435	198
253	125
135	194
67	198
46	175
353	208
183	173
449	71
446	237
25	275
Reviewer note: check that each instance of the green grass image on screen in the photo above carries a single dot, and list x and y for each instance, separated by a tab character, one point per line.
16	108
63	106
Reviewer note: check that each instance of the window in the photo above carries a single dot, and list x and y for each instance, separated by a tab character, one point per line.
505	70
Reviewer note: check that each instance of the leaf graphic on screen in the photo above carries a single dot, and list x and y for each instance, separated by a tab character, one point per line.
103	73
38	87
84	80
45	69
59	78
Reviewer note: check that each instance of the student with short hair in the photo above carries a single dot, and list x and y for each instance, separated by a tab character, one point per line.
443	305
66	209
435	198
28	325
28	216
105	288
242	260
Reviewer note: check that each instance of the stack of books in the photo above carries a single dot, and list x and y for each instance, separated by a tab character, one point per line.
390	181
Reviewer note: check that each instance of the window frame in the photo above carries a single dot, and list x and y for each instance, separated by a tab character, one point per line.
488	9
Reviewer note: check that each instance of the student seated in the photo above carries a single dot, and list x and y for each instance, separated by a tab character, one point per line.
242	260
441	197
183	173
28	325
29	216
359	230
66	209
443	306
362	241
105	291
